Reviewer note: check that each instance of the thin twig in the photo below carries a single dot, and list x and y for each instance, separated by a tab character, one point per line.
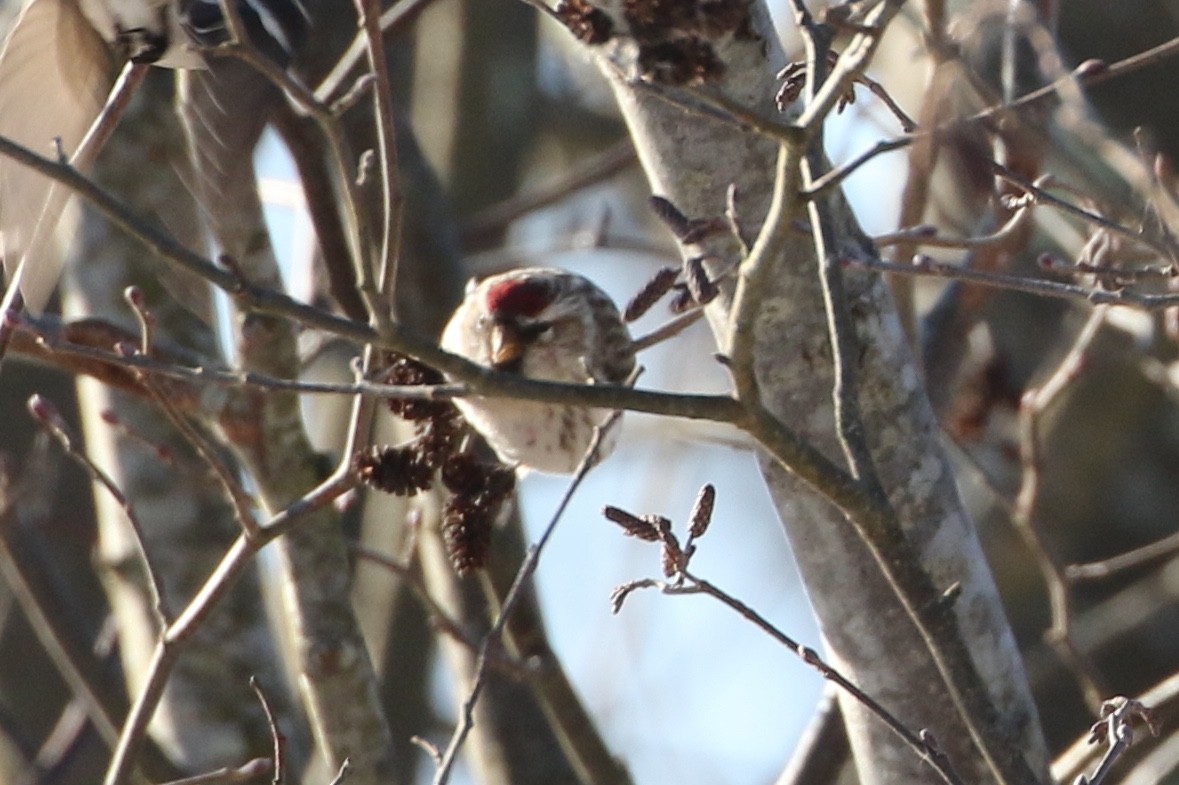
1088	74
479	380
841	332
436	613
907	123
835	177
921	743
49	418
379	299
66	658
917	236
342	773
720	107
278	741
1139	557
248	772
1025	514
877	523
494	635
242	502
343	160
721	408
926	267
391	197
399	13
1116	728
1164	247
239	556
668	329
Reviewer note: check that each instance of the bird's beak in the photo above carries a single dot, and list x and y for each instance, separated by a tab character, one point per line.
507	345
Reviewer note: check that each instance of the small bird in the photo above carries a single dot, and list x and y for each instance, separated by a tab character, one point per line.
544	324
57	67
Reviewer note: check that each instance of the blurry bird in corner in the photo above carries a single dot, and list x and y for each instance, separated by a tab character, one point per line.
57	67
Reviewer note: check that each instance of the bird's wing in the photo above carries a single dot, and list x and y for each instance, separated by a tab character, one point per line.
55	73
224	110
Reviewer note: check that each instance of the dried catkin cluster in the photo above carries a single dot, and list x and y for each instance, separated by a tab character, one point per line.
478	488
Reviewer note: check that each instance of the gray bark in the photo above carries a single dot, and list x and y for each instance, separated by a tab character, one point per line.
692	159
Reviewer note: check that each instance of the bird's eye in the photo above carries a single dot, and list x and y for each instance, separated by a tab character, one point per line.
536	331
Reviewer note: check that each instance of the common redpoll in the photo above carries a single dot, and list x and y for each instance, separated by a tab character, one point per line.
543	324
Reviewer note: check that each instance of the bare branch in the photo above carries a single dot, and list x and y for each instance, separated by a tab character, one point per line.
494	635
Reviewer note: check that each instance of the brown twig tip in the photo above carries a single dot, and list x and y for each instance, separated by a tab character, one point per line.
359	89
366	165
930	741
620	593
45	412
1164	171
342	774
133	295
230	265
618	597
653	290
645	528
400	471
687	230
1118	715
1091	67
702	512
589	24
703	289
428	747
277	765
